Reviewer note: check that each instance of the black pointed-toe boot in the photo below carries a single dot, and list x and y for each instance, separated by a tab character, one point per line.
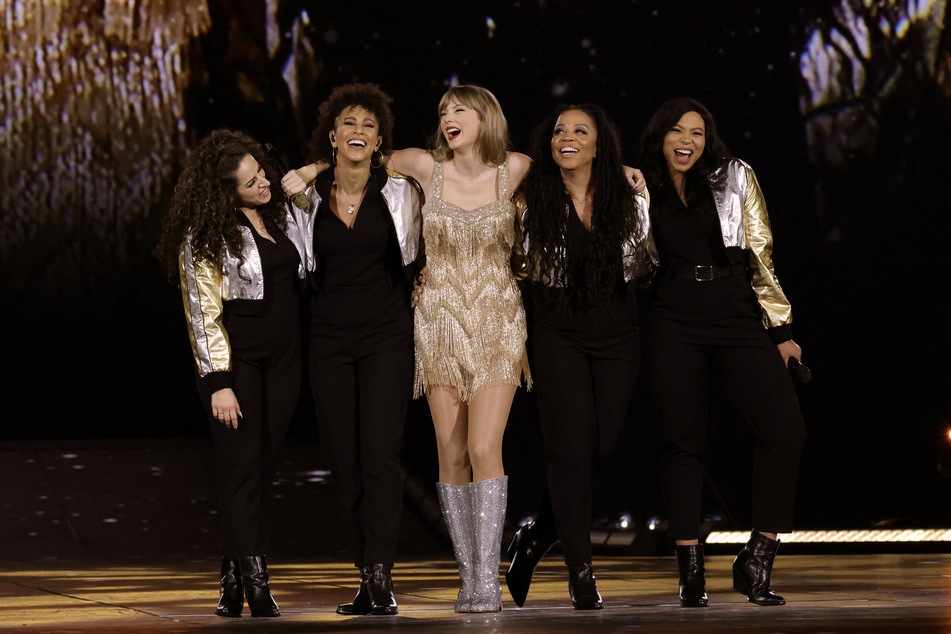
693	588
524	553
257	588
231	601
752	569
361	602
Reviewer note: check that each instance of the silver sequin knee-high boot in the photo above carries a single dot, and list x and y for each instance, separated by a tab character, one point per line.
456	504
489	498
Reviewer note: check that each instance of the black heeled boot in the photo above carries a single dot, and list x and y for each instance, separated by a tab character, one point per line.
752	569
693	588
524	553
380	589
257	589
583	588
361	602
231	601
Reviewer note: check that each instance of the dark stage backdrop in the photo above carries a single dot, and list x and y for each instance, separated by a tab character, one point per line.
841	108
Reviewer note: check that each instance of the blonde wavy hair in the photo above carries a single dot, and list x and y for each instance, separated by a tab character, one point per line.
493	141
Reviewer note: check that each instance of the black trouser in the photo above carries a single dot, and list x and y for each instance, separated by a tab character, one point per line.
752	373
584	378
247	457
361	390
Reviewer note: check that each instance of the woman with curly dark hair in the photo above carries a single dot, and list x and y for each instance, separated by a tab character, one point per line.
717	305
365	241
584	241
230	243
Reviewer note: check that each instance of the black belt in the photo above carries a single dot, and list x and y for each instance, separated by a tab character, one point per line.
701	273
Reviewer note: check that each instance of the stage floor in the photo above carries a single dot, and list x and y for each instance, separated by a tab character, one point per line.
842	593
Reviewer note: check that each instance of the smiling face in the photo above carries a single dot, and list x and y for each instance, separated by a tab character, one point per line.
460	124
574	141
684	143
251	187
355	134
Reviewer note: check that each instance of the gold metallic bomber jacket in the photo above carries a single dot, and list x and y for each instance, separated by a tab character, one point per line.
206	288
745	224
639	255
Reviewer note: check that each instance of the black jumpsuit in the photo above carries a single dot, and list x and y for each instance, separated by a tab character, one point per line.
696	326
585	363
266	370
361	365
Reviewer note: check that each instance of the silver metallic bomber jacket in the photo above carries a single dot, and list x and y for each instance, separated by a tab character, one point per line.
403	200
745	224
638	251
205	288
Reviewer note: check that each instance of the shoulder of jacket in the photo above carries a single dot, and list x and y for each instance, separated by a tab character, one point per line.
396	175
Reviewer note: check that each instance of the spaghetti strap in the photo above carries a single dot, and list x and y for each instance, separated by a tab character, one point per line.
503	181
437	180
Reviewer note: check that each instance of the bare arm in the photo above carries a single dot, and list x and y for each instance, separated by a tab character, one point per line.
295	181
412	162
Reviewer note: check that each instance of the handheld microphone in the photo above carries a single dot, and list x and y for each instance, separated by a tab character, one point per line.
800	373
300	198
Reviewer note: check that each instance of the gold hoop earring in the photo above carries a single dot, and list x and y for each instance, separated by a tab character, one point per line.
379	161
333	155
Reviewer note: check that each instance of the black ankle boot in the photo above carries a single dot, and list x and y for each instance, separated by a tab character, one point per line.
380	589
256	586
524	553
231	601
583	588
361	602
752	568
693	589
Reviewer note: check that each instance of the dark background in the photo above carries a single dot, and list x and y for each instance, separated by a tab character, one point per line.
96	347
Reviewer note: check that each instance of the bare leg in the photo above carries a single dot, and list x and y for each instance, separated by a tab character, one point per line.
450	421
488	415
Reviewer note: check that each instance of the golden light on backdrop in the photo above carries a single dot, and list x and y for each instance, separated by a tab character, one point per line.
92	108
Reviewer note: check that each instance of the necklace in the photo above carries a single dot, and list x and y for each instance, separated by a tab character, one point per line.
351	207
580	200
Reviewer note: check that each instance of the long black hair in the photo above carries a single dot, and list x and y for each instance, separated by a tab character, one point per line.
614	217
651	157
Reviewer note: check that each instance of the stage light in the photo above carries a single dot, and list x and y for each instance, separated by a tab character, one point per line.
841	537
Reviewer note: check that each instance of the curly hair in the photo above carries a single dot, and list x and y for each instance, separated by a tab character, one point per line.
651	157
614	217
493	142
204	208
368	96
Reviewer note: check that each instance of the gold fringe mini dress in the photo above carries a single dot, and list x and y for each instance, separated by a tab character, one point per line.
470	323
